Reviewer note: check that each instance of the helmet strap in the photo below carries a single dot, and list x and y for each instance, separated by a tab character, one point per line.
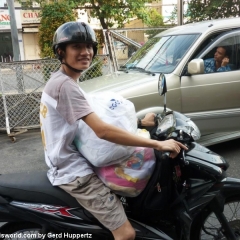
73	69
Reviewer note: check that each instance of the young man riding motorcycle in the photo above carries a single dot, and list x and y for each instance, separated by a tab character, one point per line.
62	105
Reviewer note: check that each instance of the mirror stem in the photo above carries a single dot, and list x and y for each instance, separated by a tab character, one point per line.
165	103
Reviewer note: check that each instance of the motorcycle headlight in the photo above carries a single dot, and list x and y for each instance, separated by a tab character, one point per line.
195	133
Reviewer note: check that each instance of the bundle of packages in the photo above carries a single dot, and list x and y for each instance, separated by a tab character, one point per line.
130	177
124	169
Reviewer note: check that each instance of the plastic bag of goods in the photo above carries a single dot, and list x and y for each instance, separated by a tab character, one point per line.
130	177
112	108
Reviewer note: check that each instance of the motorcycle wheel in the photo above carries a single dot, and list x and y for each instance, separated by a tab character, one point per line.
206	226
21	230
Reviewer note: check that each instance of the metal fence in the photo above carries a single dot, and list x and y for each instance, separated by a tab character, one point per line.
21	85
100	66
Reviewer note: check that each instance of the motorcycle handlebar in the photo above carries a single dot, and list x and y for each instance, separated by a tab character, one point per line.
166	155
182	153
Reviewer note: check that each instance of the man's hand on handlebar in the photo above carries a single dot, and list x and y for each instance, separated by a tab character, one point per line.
148	120
171	146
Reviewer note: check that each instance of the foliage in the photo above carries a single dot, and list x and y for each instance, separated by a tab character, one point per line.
55	13
100	37
200	10
108	12
153	19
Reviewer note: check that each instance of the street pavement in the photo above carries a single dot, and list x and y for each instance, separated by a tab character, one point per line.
24	155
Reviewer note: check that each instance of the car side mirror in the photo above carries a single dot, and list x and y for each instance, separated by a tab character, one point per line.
162	85
196	66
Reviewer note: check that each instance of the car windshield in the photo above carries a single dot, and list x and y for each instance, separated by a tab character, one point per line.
161	54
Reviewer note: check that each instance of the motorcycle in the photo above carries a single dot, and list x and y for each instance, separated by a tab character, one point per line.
198	200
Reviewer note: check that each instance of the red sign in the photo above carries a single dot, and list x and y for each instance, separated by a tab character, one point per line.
4	17
30	16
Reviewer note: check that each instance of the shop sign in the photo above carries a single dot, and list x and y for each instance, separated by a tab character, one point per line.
5	19
30	16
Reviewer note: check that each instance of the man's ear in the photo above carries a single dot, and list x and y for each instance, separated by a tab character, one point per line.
60	52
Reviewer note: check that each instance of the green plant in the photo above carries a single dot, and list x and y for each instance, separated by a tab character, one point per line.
153	19
109	12
212	9
52	16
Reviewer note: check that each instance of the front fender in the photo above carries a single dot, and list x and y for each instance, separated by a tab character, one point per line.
231	187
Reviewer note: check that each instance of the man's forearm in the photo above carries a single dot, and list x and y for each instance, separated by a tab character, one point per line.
122	137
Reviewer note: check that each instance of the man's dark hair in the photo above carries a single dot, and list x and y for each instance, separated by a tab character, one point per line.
228	51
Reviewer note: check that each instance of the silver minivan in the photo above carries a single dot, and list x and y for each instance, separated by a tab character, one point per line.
211	100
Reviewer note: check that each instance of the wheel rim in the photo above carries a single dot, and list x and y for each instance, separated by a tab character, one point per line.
212	228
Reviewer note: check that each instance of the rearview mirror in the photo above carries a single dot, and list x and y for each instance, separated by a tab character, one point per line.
162	86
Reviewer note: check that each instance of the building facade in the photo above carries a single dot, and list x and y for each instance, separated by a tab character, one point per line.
6	50
30	22
27	22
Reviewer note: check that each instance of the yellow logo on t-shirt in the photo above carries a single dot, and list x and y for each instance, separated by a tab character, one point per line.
43	110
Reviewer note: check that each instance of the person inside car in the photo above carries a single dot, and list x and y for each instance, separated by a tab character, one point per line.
220	61
63	104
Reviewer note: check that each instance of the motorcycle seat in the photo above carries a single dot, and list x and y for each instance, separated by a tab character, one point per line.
34	187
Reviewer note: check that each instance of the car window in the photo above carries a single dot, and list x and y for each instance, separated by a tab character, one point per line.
206	42
161	54
230	42
141	58
207	48
167	58
236	52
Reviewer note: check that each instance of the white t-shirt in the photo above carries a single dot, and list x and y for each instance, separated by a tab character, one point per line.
62	105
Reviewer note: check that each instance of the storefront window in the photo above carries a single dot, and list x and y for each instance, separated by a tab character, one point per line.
6	51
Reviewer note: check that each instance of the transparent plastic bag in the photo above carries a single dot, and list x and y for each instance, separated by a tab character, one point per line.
113	109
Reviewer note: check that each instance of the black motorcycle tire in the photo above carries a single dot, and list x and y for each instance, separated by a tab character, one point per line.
18	227
202	217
